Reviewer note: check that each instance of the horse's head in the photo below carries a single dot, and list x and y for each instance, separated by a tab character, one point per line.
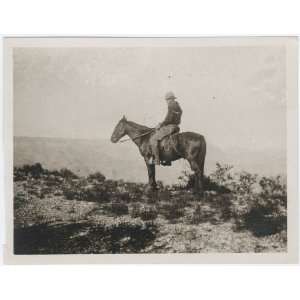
119	130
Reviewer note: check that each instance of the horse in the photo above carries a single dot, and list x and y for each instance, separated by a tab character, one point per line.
187	145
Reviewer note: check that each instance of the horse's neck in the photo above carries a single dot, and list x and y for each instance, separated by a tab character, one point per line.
134	130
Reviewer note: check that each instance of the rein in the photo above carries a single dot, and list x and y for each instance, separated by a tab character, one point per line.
128	139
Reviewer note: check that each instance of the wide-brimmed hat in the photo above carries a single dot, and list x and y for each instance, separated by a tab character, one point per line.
170	96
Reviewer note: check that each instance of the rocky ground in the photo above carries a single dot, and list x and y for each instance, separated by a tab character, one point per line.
57	212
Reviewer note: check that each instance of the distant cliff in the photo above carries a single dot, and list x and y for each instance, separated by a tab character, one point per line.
123	161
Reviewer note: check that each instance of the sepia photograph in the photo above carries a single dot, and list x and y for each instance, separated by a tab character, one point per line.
150	146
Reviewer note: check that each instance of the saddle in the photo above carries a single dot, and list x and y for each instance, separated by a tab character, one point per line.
165	163
162	142
167	145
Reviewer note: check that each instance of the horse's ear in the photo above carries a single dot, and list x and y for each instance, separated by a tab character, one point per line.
124	118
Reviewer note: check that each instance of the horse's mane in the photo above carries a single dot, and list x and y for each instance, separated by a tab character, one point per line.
143	128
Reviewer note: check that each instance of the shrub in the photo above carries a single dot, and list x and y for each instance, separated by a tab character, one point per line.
19	175
118	208
19	200
125	196
222	175
135	190
146	213
110	185
67	174
135	210
202	213
263	212
187	181
274	188
96	176
210	185
120	236
164	195
196	216
53	180
71	194
53	172
244	183
129	237
81	190
95	192
263	222
172	211
35	171
181	201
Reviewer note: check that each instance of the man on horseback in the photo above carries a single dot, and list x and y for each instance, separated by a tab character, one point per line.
167	127
187	145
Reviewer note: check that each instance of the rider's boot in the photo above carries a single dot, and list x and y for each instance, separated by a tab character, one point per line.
151	161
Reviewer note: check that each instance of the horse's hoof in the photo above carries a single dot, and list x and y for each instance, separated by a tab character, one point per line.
199	194
150	190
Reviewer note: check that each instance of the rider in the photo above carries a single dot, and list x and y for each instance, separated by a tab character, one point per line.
168	126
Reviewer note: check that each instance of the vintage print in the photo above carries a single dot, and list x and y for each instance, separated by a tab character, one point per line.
152	146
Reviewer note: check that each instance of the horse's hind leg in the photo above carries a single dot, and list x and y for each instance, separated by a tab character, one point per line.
151	175
201	162
198	186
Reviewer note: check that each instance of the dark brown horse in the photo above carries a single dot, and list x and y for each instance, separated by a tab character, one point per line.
188	145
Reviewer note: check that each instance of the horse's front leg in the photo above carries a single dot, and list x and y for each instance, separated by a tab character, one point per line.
151	175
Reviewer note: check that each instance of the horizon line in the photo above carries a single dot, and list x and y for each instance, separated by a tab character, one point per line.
107	139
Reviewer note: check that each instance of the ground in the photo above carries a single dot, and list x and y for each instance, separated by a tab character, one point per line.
57	214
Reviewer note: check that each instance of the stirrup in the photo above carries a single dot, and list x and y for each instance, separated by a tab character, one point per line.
151	161
156	162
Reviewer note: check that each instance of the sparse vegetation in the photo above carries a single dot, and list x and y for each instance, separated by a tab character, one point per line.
172	211
145	212
118	208
57	211
97	177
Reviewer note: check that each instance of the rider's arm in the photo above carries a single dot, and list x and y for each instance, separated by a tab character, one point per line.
173	108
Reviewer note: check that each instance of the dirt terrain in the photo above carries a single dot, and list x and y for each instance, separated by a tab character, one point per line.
58	212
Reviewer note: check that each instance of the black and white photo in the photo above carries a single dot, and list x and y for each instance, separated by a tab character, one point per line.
152	146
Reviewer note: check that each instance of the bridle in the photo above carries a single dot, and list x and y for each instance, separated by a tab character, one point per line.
128	139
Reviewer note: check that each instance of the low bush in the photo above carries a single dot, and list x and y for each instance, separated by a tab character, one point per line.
274	188
96	177
243	183
20	199
222	204
135	210
263	212
171	211
196	216
129	237
145	212
187	182
71	194
21	173
125	196
222	175
118	208
67	174
164	195
119	236
96	192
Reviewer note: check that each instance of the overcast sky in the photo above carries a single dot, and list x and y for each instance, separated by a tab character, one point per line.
235	96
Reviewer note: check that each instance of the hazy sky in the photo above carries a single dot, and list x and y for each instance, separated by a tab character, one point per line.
235	96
